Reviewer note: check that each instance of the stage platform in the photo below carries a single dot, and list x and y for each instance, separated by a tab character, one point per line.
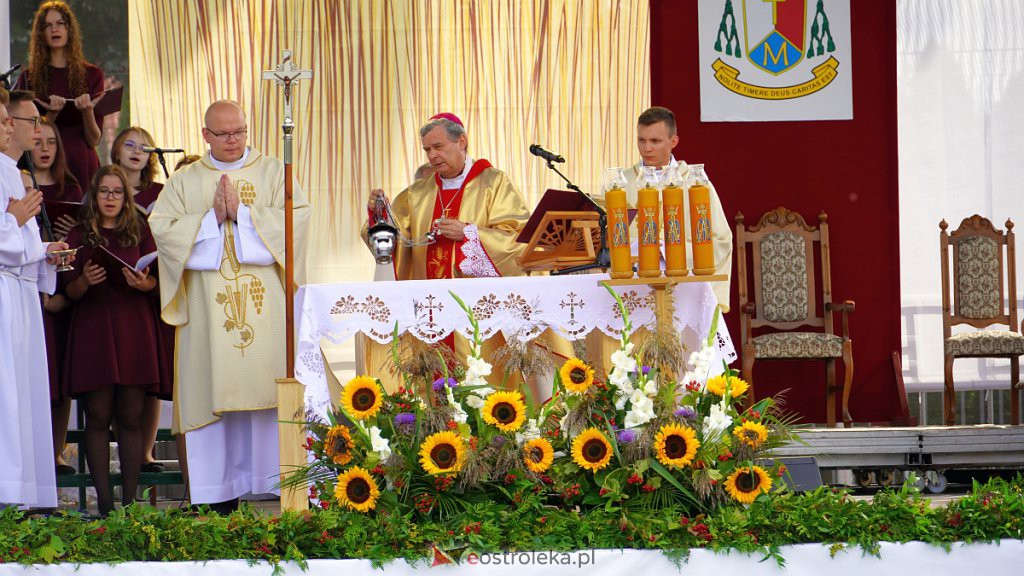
1000	559
927	450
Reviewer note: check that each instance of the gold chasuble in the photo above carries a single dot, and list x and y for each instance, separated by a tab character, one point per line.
487	199
230	335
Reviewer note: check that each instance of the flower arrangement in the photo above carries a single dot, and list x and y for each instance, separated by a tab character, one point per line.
639	439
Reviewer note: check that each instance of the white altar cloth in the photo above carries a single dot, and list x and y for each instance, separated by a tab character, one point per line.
520	307
998	559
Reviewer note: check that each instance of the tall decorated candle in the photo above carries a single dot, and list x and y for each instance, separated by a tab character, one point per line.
647	224
672	222
618	223
700	222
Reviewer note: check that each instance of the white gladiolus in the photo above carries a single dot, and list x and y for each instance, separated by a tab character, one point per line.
651	387
459	415
477	367
641	412
529	432
379	444
474	401
623	361
716	423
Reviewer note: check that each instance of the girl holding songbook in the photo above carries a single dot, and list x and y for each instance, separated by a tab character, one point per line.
58	186
140	167
55	181
112	353
67	87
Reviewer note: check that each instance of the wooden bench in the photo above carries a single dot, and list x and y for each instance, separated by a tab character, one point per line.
82	479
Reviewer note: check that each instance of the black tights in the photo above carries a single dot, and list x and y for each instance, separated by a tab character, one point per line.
100	408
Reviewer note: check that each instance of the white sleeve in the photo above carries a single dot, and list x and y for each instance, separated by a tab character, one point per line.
46	279
12	243
209	247
248	244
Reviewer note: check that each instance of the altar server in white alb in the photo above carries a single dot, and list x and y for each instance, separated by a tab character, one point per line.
656	136
27	475
219	229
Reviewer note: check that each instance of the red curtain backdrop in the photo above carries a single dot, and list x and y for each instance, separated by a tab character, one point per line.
846	168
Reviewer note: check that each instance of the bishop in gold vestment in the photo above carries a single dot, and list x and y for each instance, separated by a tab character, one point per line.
475	214
222	286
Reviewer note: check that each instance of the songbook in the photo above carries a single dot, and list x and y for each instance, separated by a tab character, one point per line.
114	265
111	101
57	208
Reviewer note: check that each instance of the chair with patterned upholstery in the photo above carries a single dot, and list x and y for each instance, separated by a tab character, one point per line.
784	298
979	301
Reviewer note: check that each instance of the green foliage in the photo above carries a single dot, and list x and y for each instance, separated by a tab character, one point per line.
524	522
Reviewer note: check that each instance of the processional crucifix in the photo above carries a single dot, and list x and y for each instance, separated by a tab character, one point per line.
287	75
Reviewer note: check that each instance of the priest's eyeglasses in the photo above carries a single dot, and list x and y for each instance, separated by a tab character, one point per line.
225	136
35	120
109	193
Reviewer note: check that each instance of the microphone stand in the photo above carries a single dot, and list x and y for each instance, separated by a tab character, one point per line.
43	218
603	259
163	162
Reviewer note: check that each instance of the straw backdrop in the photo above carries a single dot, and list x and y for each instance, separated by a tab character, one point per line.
572	76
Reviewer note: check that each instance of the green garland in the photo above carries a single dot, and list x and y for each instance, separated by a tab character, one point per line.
990	512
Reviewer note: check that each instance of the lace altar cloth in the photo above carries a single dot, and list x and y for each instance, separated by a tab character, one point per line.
520	307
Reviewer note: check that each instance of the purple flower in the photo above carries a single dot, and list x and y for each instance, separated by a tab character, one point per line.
684	412
498	441
626	436
644	370
440	382
404	419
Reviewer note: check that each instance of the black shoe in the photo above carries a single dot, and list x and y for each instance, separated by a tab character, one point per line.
224	508
65	469
152	467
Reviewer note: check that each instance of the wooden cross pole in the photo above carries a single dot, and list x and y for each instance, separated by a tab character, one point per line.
287	75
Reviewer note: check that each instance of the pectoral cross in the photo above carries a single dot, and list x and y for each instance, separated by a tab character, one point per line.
775	10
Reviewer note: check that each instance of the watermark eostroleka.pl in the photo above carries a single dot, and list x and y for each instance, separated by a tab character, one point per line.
577	559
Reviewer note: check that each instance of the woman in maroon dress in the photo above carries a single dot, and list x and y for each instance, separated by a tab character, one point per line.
67	87
112	347
140	167
56	183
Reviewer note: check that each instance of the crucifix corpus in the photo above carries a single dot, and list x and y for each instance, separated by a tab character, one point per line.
287	76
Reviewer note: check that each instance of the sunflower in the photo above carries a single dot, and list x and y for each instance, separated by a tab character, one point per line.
675	445
338	445
746	483
591	450
538	455
505	410
577	375
737	386
357	490
442	453
361	397
752	434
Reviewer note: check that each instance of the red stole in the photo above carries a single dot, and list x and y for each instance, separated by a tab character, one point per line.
444	254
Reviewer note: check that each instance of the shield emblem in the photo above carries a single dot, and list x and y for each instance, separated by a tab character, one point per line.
773	31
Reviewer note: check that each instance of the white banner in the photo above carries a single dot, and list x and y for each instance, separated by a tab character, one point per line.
774	60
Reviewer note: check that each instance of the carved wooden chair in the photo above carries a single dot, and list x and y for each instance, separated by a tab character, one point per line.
977	252
784	298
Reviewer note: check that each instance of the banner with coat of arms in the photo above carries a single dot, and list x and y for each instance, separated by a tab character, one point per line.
775	60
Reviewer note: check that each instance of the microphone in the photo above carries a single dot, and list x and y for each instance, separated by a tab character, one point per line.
6	76
148	149
536	150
